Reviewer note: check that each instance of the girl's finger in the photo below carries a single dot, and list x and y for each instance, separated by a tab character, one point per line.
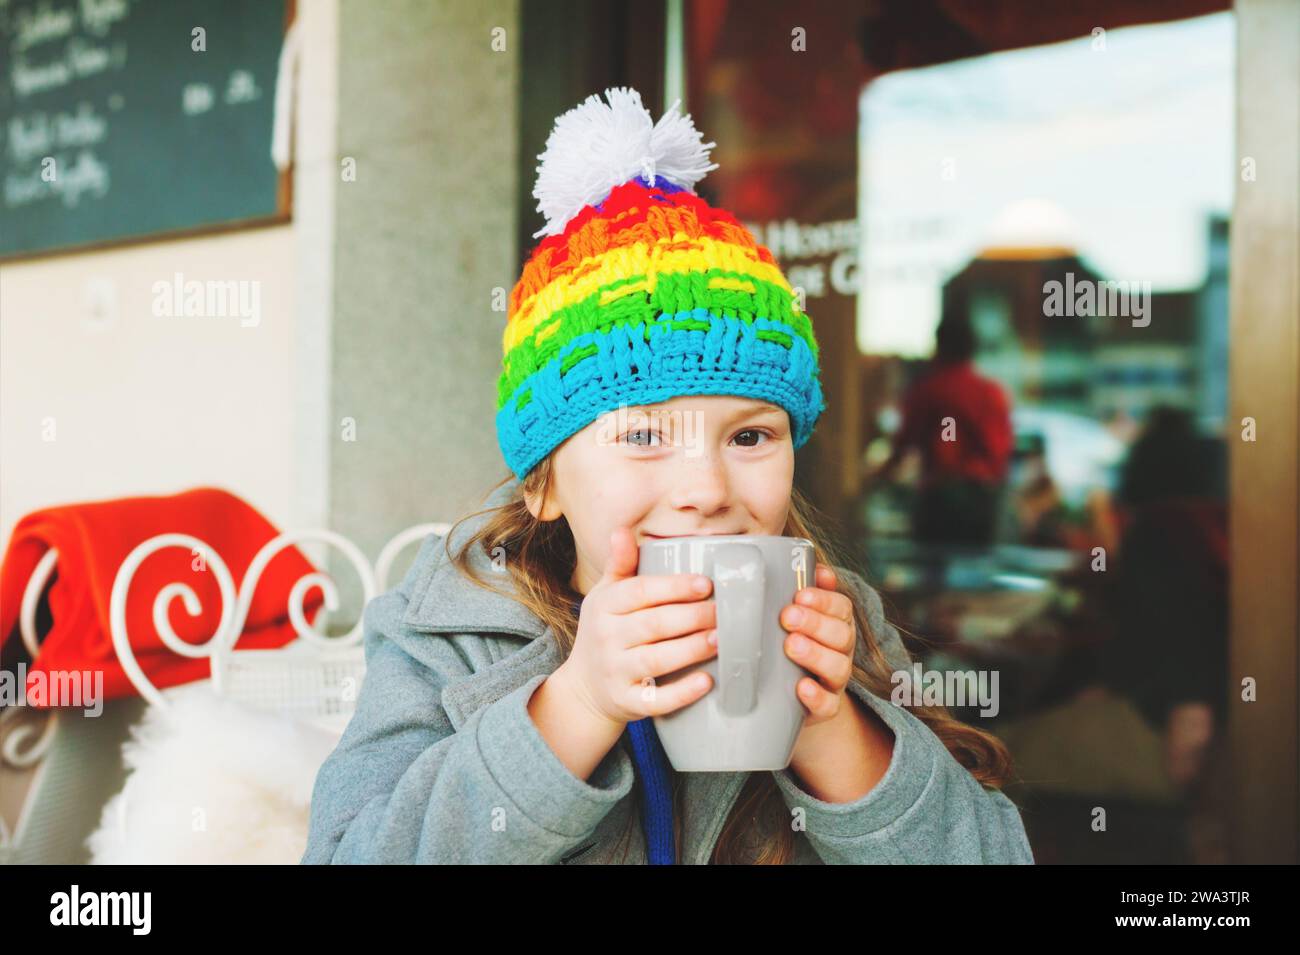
668	621
825	577
669	656
651	590
656	700
830	602
623	555
832	632
833	668
821	703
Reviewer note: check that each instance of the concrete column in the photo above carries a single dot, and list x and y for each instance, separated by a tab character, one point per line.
1264	517
428	111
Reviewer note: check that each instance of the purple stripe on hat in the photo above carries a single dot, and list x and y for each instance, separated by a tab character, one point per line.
660	183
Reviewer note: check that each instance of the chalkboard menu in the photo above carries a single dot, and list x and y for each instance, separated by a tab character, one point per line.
125	119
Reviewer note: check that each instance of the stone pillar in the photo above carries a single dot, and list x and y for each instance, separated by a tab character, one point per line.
1264	517
428	114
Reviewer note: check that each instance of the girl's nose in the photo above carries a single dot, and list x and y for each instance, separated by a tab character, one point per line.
702	485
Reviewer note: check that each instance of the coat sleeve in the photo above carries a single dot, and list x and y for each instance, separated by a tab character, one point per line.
927	808
403	787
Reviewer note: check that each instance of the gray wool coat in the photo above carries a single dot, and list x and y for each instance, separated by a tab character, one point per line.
441	762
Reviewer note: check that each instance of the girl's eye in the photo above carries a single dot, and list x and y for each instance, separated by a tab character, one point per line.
644	437
640	438
755	431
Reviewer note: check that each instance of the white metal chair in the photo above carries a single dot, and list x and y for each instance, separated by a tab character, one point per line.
314	678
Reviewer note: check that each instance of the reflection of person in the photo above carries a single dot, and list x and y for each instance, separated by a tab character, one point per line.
1037	505
1170	591
1171	570
960	422
470	744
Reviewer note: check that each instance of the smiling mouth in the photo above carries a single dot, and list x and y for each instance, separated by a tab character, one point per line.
662	537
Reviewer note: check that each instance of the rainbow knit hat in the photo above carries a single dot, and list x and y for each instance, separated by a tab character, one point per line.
641	291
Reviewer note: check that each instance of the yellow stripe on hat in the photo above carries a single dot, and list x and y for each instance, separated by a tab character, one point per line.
679	254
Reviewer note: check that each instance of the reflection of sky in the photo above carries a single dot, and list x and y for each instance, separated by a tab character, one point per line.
1081	453
1132	144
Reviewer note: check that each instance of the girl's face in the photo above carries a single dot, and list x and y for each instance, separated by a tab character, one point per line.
696	464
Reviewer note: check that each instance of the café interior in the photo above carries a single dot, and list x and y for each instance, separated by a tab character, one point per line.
1050	252
951	182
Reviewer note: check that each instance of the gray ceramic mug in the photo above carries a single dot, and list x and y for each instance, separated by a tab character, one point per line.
751	716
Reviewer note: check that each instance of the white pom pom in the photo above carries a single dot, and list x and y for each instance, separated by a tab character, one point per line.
595	147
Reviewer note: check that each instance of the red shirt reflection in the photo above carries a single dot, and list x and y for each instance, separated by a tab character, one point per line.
976	444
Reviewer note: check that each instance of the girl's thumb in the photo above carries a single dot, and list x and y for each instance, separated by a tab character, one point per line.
624	555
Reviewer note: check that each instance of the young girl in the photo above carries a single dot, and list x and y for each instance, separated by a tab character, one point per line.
658	377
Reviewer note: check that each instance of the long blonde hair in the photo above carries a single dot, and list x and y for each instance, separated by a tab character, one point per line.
541	562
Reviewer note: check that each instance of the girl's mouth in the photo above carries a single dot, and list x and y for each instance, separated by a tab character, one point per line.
662	537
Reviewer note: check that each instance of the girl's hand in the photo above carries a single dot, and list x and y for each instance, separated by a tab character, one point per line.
822	638
633	629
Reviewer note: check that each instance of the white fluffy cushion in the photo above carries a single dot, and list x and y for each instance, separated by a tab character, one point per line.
212	781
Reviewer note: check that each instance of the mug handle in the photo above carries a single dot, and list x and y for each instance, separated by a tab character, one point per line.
739	580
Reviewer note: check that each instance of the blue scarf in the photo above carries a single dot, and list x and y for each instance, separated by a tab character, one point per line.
655	773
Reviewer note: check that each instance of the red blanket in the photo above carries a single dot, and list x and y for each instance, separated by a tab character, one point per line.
93	539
